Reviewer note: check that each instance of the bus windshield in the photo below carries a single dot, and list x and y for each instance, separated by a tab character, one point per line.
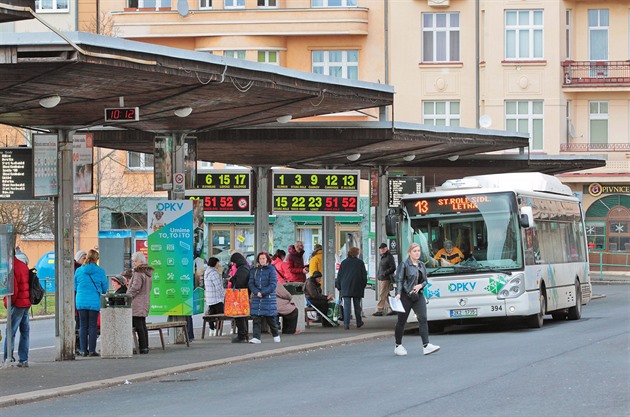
482	229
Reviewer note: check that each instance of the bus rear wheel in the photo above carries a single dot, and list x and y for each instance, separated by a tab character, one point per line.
575	312
536	321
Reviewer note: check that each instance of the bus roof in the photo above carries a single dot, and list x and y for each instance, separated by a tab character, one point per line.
525	181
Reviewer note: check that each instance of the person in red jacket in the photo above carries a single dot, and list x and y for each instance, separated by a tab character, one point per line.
20	303
296	272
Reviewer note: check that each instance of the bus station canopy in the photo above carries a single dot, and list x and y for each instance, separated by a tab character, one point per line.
234	107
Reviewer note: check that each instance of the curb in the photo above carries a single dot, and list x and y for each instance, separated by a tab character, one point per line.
34	396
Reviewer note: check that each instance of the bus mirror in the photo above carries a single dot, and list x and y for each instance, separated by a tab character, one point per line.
390	224
527	217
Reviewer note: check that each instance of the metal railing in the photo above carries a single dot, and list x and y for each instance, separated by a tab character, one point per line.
597	147
609	261
596	73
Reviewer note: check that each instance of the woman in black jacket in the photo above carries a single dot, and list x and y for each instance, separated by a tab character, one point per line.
411	278
351	282
239	280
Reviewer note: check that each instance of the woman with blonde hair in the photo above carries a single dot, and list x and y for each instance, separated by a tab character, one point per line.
411	278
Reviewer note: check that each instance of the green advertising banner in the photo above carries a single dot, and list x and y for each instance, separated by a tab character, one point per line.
170	249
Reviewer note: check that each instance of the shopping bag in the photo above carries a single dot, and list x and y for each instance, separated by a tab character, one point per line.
236	302
333	311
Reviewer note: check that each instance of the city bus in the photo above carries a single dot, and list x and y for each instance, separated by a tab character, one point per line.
523	243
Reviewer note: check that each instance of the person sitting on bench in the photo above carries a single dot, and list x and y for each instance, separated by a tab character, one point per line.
313	293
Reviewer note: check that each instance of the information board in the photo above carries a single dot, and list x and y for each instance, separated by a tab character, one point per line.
322	192
223	192
16	174
399	186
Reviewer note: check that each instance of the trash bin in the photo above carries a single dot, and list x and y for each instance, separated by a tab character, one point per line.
116	336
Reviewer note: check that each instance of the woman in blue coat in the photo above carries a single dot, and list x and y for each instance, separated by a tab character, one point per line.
262	284
89	283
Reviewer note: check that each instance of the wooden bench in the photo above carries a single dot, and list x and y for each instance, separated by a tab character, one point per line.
160	327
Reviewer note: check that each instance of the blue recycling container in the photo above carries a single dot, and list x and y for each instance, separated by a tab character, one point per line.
46	271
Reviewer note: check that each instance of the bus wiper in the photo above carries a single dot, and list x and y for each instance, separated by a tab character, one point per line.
486	268
429	273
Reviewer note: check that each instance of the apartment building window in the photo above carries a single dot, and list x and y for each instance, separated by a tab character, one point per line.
526	117
235	54
267	3
440	113
440	37
524	34
334	3
598	121
598	34
149	4
234	4
205	4
139	161
268	57
51	6
342	64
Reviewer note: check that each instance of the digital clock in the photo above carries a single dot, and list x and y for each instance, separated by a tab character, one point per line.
122	114
224	180
223	203
315	204
315	180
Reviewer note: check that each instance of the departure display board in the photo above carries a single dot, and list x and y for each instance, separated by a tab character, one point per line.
16	174
223	192
312	180
399	186
224	180
322	192
223	203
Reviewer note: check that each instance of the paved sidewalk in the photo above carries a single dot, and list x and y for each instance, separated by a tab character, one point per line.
47	378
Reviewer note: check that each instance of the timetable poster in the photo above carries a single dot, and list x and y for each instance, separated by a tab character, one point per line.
170	249
82	163
45	165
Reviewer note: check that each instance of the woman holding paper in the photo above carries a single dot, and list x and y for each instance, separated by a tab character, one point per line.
411	278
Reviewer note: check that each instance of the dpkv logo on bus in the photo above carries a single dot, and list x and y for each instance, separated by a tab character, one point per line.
462	286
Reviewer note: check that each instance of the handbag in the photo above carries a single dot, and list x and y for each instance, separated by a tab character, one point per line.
236	302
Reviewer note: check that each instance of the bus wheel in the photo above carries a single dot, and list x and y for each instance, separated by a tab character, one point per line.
536	321
575	312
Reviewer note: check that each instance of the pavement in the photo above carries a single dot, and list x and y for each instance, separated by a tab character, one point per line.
46	378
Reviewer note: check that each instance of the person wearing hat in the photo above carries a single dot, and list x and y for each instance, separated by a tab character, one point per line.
314	294
119	285
385	276
79	259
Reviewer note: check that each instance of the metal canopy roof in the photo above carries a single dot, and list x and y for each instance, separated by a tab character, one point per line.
233	102
11	10
91	72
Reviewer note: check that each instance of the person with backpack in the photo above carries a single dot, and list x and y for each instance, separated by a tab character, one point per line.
20	304
90	282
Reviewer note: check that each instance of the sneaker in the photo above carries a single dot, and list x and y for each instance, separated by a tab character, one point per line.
378	314
429	348
400	350
94	354
22	364
276	339
255	341
392	313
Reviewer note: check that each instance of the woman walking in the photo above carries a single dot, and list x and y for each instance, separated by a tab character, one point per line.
262	284
411	278
90	282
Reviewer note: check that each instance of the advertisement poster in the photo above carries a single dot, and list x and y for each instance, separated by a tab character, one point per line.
45	165
163	160
82	163
170	248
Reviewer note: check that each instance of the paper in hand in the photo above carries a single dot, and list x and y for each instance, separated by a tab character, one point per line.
396	305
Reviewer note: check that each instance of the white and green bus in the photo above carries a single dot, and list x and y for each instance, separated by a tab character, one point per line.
523	242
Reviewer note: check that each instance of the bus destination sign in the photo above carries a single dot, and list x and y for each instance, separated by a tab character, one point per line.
446	205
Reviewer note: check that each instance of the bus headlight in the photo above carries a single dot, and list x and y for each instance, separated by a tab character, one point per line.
514	288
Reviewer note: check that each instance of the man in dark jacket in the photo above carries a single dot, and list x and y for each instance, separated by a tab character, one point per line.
385	275
239	280
20	304
351	281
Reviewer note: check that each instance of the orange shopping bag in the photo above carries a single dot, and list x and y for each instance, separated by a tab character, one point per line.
236	302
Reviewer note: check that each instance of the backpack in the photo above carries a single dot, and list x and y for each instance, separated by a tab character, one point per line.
35	288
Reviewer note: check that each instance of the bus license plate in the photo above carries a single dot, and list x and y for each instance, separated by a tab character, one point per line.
465	312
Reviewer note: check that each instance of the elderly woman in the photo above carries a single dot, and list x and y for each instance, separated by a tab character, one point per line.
351	281
139	287
262	284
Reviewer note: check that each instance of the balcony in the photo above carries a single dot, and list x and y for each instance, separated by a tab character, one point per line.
145	23
594	147
596	74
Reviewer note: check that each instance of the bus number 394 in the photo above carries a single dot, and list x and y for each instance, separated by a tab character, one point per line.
496	308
